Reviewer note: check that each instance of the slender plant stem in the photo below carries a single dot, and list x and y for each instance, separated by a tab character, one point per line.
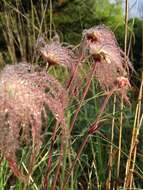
13	165
41	24
62	159
69	85
132	153
121	115
75	161
120	141
83	95
111	146
87	136
49	162
138	125
95	125
126	31
51	18
131	39
58	167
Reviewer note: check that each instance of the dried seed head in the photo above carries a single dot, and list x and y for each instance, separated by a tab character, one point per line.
123	85
56	54
102	46
24	94
123	82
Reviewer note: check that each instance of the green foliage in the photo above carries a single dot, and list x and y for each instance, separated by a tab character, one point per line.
73	16
137	44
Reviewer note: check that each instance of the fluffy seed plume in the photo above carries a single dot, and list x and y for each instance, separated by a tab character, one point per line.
102	46
54	53
24	94
111	64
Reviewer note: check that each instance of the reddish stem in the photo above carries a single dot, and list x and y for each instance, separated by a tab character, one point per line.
74	163
58	167
94	127
49	162
74	73
13	166
84	95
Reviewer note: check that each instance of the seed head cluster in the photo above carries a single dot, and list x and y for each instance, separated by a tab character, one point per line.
111	66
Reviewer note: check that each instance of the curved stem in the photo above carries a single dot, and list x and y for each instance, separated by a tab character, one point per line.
74	163
49	162
83	95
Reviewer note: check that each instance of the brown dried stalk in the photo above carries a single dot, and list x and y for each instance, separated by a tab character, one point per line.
130	165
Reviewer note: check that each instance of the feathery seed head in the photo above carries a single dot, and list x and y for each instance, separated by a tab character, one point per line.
102	46
24	94
56	54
